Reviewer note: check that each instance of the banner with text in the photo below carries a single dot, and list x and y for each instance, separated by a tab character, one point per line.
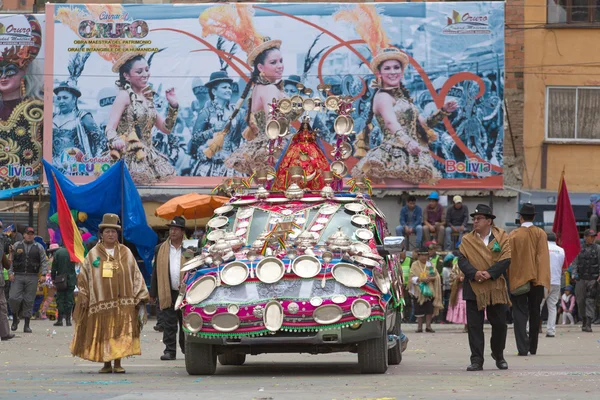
21	100
159	85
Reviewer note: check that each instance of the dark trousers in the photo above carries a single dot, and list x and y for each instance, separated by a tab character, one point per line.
586	303
446	303
171	320
407	312
496	315
64	302
22	295
526	307
7	295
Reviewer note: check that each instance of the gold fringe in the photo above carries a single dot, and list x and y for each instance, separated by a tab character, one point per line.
361	145
491	297
251	132
93	330
215	144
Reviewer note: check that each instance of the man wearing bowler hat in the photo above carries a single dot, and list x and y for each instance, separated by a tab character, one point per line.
166	279
484	256
528	275
213	119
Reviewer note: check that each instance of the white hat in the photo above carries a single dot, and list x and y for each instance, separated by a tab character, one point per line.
457	199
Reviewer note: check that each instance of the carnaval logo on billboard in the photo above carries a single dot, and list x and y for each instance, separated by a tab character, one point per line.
21	107
181	93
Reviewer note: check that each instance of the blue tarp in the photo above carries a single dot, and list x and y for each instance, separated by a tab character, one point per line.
9	193
105	195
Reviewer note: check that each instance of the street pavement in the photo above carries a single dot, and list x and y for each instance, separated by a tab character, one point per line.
39	366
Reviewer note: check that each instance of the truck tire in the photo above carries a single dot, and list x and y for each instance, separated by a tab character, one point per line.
232	359
373	354
395	353
200	359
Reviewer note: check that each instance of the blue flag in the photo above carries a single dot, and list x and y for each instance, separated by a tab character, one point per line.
107	194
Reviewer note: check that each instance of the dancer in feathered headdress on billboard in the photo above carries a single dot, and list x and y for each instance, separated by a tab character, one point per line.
404	153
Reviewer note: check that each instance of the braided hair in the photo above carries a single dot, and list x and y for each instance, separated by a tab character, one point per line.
260	59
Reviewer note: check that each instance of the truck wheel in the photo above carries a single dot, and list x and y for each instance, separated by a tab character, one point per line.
200	359
373	354
395	353
232	359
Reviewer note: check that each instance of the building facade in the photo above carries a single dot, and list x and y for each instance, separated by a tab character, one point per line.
561	76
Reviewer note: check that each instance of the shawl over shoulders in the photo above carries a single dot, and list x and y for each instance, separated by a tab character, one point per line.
106	326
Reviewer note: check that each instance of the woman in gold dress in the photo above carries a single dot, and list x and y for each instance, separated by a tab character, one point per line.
234	22
403	153
132	117
112	295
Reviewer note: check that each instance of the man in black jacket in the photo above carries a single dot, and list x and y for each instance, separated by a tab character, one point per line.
586	272
457	218
484	256
166	279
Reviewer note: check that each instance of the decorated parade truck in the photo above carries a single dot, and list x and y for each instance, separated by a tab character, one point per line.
298	260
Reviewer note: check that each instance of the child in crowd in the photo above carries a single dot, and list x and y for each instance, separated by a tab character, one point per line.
457	310
567	304
446	284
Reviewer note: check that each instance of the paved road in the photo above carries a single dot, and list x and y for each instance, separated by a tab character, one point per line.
39	366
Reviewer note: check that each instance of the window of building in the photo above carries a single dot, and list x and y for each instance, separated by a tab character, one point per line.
572	113
573	11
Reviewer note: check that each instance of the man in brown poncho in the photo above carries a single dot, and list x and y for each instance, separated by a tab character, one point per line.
528	275
484	256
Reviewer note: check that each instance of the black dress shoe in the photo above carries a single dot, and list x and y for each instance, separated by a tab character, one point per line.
475	367
167	357
158	328
500	362
15	325
8	337
523	354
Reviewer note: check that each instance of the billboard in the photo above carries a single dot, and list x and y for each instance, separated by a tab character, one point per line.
21	100
158	85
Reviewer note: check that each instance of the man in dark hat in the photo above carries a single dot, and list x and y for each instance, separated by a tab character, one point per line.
528	276
586	273
166	279
72	127
290	85
212	119
484	256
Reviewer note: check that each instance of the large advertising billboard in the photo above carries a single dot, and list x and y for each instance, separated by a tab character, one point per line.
159	85
21	103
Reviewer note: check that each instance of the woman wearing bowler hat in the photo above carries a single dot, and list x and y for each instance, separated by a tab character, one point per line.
212	119
111	301
73	129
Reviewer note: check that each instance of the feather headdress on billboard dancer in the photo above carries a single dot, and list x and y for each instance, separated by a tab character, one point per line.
133	114
404	153
234	22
